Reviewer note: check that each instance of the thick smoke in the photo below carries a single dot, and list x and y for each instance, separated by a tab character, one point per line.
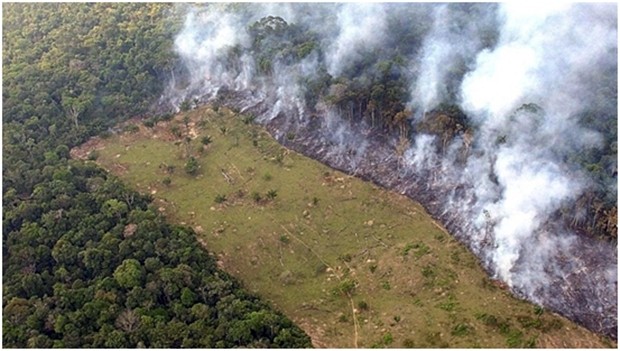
361	28
449	50
542	57
523	76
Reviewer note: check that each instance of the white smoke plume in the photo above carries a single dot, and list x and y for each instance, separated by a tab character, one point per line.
545	55
448	49
361	29
540	56
522	74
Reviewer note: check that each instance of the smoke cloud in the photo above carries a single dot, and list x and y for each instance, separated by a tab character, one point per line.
523	75
361	28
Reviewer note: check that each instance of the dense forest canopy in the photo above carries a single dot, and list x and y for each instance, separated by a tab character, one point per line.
88	262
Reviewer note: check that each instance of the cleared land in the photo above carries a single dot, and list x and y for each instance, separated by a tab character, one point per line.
354	265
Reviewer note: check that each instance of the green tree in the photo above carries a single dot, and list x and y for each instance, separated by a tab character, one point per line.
114	208
129	274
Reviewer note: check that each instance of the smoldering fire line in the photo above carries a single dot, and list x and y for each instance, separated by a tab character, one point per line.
498	177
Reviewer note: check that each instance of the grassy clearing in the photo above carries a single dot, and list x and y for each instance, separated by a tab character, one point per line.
352	264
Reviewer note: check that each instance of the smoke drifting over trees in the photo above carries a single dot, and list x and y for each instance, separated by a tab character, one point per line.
508	112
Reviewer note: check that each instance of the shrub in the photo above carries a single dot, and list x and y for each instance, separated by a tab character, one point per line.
186	105
346	257
388	339
206	140
271	194
449	305
256	196
420	249
93	155
167	181
191	166
219	198
461	329
248	119
346	287
538	310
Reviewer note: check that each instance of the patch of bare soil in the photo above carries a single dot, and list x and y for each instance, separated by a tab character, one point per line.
81	152
314	331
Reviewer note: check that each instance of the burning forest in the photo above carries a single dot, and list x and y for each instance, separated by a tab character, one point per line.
500	118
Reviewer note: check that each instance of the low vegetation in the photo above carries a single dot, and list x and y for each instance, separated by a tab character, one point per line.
353	265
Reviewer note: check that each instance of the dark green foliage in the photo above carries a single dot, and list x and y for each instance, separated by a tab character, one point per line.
167	181
131	128
186	105
419	249
372	268
102	288
129	274
256	196
271	194
346	287
461	329
149	123
93	155
219	198
248	119
206	140
448	305
88	263
191	166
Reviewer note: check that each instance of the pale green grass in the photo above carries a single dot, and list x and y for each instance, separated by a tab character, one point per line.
415	286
